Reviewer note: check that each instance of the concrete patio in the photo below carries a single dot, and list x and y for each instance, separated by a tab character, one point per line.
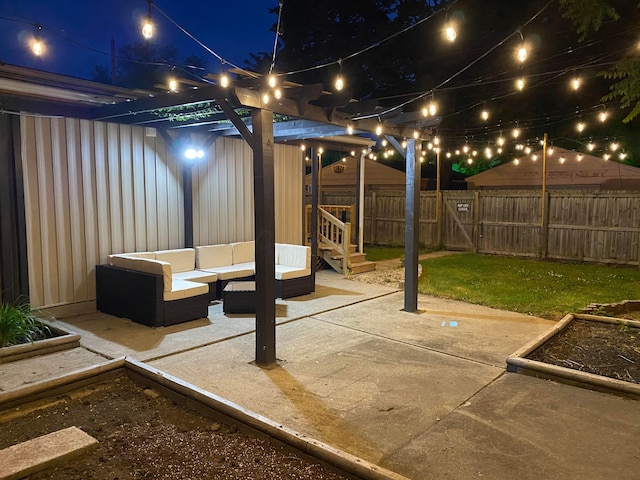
425	395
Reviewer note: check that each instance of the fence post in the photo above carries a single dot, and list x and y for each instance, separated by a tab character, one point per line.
476	221
373	217
439	201
545	226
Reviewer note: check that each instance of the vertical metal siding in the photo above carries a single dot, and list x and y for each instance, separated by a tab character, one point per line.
92	189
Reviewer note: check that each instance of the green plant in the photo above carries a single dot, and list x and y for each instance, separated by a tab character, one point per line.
20	324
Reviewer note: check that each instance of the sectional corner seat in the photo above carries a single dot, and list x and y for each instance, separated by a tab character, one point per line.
172	286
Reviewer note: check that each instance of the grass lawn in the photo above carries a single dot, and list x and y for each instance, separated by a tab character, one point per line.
540	288
377	253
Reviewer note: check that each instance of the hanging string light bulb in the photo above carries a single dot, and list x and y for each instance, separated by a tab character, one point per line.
265	98
579	157
37	45
272	81
603	116
484	115
224	80
614	146
450	32
277	93
606	156
522	53
520	84
516	132
500	140
576	83
379	128
591	146
173	85
339	84
147	26
581	126
350	129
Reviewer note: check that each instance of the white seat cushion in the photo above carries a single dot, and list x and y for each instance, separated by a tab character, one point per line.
196	276
185	289
156	267
283	272
243	252
234	271
147	255
181	259
210	256
293	255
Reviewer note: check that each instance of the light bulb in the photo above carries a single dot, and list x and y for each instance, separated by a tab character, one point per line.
562	159
450	33
384	142
515	132
522	54
433	108
37	47
350	129
436	140
272	81
527	150
339	83
575	83
379	130
484	115
622	155
500	140
580	127
591	146
606	156
277	93
614	146
265	98
448	154
465	149
224	80
550	150
320	151
520	83
474	153
499	150
470	161
516	161
602	116
534	157
303	147
457	152
579	157
488	152
416	134
147	28
404	144
430	145
425	111
173	85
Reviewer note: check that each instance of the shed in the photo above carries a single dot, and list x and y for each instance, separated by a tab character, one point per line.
566	169
343	175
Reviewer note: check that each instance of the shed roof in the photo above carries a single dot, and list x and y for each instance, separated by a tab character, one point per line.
375	173
565	169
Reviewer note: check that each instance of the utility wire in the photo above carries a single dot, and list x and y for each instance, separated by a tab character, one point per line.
275	41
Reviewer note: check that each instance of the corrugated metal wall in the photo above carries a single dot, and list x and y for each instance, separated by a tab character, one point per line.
92	189
223	194
95	188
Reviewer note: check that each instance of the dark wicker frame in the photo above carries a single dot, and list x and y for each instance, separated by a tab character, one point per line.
294	287
138	296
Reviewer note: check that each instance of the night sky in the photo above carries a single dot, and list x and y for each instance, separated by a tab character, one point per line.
231	28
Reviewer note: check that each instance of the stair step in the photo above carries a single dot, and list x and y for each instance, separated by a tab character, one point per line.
362	267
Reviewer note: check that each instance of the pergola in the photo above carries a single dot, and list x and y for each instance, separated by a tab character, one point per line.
303	112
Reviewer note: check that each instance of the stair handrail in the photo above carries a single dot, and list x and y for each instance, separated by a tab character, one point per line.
336	234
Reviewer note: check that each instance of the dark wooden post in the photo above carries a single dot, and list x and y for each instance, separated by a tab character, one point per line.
264	212
187	193
412	228
314	214
14	278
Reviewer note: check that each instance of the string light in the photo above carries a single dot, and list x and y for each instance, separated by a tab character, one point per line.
339	83
580	127
515	132
272	81
550	150
500	140
147	26
173	85
520	83
562	159
224	80
606	156
379	129
277	93
37	45
484	115
622	155
522	53
450	33
591	146
416	134
575	83
350	129
579	157
534	157
614	146
265	98
603	116
303	147
516	161
527	150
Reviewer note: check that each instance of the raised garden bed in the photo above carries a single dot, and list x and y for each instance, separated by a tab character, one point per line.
152	425
597	352
59	339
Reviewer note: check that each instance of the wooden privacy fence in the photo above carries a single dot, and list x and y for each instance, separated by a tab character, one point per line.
590	226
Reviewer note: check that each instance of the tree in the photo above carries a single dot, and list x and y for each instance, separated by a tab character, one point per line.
588	17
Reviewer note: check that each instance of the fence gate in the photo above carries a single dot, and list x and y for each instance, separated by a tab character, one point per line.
459	219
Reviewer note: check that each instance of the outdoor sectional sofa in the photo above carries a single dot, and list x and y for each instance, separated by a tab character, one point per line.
172	286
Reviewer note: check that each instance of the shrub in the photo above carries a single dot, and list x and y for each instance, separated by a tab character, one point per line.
20	324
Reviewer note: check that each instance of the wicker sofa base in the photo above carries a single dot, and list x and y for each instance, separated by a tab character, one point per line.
138	296
294	287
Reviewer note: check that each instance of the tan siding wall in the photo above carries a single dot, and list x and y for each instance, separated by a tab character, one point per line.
91	190
223	194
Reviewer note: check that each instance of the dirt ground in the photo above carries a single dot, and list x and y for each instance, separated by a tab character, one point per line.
143	435
609	350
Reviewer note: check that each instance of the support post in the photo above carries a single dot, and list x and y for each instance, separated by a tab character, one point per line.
263	188
187	193
412	228
438	201
14	280
314	214
360	203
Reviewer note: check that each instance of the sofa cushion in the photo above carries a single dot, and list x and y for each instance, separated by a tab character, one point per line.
229	272
284	272
243	252
147	255
156	267
185	289
181	259
196	276
210	256
293	255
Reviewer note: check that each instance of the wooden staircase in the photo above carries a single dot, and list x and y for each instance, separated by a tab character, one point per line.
334	242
